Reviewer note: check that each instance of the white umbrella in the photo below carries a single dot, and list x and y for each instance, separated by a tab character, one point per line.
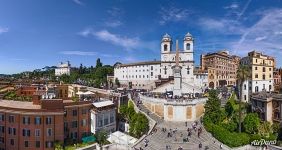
79	93
88	93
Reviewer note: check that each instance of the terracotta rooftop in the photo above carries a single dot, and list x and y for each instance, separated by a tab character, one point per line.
141	63
18	104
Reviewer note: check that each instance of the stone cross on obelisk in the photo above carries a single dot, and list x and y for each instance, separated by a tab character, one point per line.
177	74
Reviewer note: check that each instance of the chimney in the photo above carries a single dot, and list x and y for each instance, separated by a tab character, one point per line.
36	99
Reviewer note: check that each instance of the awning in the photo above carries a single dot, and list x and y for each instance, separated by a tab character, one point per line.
88	139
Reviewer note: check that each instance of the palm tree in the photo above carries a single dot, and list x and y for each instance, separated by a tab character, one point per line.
243	74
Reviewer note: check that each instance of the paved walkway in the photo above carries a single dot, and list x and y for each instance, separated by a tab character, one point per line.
158	140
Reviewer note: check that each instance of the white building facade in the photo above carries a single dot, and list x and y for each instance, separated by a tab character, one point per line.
63	68
103	117
143	75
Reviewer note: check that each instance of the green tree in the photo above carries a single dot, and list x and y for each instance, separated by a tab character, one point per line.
265	129
101	137
251	123
58	145
212	108
139	125
275	127
98	63
117	82
123	110
229	108
243	74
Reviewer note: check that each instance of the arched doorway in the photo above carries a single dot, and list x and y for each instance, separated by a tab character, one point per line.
211	85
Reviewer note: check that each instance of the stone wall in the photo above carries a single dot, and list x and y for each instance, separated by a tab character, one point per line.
175	110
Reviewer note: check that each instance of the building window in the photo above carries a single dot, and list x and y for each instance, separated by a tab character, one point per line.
269	69
26	120
263	69
112	117
37	132
49	144
245	97
48	120
263	77
37	144
187	46
269	75
270	87
2	129
165	47
263	87
245	87
26	132
11	119
106	120
100	121
256	75
152	68
2	140
1	117
256	89
37	120
74	124
74	112
12	141
25	143
49	132
84	111
152	74
83	122
256	68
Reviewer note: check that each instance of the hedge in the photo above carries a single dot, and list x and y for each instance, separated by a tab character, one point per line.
232	139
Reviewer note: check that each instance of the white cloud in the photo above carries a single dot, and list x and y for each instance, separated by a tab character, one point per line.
80	53
114	19
244	9
17	59
129	43
113	23
130	59
278	33
224	26
262	36
115	11
86	32
115	39
173	14
3	30
78	2
232	6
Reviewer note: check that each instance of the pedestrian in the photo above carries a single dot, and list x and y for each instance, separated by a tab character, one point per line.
186	123
220	146
200	145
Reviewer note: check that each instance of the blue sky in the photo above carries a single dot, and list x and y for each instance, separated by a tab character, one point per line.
37	33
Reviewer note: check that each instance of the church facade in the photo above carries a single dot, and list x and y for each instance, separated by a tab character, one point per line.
143	75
